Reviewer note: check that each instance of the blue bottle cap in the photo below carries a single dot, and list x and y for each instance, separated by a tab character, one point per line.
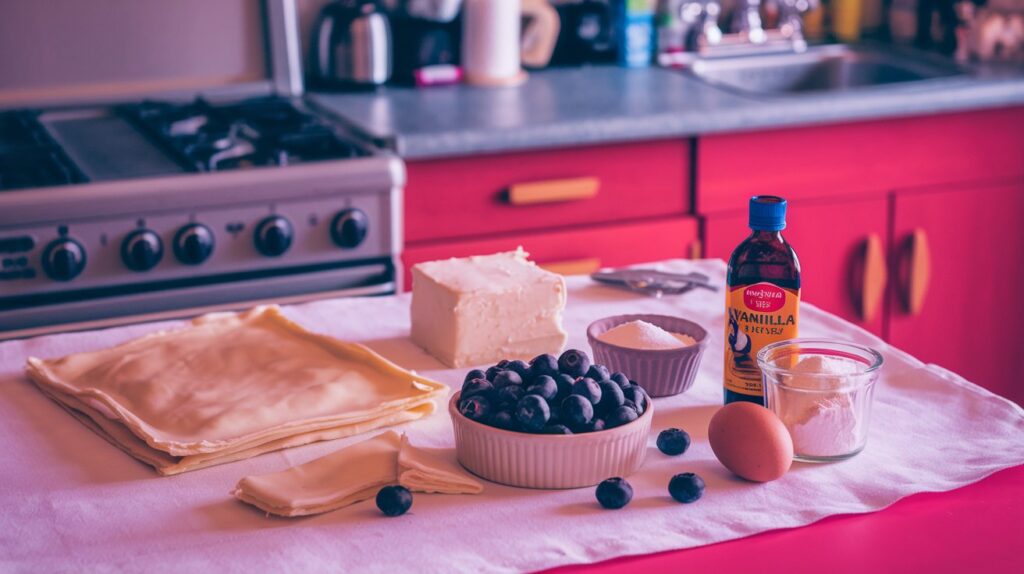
767	213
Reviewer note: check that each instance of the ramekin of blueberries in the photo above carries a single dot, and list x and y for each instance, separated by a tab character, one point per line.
552	395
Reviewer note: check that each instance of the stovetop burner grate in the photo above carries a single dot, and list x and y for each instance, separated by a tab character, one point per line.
262	132
28	155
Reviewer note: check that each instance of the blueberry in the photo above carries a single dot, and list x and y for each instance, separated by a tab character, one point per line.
476	408
574	363
639	397
504	420
502	364
576	411
533	412
557	429
474	374
544	386
564	385
632	405
544	365
593	426
611	397
587	388
673	442
614	493
686	487
506	378
621	416
520	368
510	395
394	500
474	387
491	373
621	379
598	372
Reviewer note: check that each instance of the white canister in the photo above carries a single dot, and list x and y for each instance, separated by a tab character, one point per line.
490	42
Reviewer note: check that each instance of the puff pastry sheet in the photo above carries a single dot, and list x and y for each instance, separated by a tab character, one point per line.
230	386
354	474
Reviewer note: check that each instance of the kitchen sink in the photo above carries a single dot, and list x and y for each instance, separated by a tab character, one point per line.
820	69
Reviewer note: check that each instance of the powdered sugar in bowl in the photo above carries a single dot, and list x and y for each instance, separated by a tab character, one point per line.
822	390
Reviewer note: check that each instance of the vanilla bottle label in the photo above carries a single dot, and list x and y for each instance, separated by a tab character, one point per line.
756	315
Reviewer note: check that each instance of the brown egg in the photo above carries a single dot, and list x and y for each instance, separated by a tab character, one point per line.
751	441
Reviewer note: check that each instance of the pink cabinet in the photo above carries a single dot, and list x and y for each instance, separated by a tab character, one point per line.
958	291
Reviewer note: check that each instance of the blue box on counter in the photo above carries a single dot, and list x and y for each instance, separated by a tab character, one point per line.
635	32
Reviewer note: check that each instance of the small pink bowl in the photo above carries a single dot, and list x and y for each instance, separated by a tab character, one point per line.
661	372
547	460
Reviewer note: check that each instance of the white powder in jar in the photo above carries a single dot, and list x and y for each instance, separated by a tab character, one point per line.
827	423
644	335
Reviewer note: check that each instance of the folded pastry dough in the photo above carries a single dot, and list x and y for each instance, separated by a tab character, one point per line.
354	474
230	386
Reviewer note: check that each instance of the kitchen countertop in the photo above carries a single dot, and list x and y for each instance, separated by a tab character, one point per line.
605	104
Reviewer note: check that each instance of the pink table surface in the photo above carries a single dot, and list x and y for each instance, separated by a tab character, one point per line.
977	528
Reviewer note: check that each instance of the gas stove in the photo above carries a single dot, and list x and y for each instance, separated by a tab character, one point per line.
177	203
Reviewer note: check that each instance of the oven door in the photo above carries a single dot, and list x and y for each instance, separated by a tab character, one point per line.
110	309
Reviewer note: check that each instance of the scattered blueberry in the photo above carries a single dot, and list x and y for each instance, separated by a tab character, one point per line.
621	379
614	493
564	385
574	363
504	420
510	395
598	372
533	412
557	429
476	408
394	500
505	378
521	368
544	386
639	397
587	388
673	441
544	365
620	416
611	397
474	387
576	411
686	487
475	374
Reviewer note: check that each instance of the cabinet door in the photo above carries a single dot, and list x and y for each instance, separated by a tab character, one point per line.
958	296
841	246
576	251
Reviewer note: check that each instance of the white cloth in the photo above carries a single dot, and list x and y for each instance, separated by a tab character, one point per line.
71	501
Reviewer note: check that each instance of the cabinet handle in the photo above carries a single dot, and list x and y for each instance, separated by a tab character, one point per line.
696	249
869	279
575	189
584	266
917	272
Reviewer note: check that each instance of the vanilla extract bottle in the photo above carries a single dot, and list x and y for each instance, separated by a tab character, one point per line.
762	298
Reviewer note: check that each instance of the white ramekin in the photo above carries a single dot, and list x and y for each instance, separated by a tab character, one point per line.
546	460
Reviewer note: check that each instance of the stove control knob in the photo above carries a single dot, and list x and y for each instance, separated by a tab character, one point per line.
348	229
274	236
193	244
63	259
141	250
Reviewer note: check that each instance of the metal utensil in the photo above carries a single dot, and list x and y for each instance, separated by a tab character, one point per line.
654	282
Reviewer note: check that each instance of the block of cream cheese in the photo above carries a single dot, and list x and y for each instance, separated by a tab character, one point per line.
482	309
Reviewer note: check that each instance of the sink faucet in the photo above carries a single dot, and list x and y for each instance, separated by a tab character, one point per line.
747	21
695	28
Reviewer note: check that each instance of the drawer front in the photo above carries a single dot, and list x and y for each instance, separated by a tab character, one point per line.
577	251
541	190
859	157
